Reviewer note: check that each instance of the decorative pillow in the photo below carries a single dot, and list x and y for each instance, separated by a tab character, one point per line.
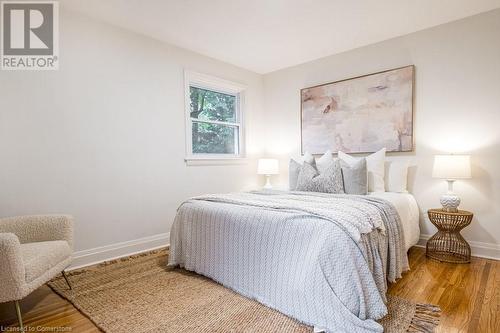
294	169
375	167
329	181
355	177
396	177
324	161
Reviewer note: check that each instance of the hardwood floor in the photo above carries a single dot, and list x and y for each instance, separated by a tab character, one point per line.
468	294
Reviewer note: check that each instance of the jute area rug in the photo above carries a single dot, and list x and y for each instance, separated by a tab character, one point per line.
140	294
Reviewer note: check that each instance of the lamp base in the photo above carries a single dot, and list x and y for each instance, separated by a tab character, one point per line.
268	185
450	202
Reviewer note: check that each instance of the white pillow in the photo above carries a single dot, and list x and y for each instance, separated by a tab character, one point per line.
396	177
375	167
324	161
308	158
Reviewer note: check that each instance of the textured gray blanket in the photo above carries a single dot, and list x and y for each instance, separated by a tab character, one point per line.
320	258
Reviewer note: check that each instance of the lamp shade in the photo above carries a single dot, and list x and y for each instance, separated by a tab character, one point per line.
268	166
451	167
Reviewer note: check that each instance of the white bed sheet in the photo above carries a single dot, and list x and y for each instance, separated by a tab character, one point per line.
407	207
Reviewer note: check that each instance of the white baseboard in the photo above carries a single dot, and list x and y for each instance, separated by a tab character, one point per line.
118	250
478	249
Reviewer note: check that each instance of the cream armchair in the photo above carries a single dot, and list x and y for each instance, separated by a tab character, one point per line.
33	250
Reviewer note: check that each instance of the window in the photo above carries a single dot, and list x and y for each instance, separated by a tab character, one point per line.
213	118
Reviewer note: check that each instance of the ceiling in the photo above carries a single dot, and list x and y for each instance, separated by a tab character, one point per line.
267	35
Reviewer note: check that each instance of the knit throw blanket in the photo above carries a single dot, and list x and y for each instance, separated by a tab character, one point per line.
323	259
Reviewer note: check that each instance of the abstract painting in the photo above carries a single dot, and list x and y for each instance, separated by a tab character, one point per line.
360	115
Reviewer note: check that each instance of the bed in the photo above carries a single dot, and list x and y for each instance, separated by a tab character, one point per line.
323	259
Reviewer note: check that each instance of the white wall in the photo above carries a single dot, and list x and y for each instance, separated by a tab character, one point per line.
103	138
457	109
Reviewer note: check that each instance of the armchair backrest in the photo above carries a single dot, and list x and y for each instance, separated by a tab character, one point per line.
39	228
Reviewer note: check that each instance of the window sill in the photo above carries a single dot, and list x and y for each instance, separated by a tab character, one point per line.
195	161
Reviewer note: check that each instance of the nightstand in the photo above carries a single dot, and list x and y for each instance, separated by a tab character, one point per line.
447	244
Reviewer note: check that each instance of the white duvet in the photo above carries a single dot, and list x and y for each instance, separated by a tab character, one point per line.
408	211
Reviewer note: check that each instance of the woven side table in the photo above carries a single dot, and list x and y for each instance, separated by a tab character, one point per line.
447	244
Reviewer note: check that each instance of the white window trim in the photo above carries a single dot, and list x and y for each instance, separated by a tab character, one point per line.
200	80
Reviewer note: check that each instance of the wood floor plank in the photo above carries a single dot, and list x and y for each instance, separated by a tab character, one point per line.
479	301
459	297
488	320
468	294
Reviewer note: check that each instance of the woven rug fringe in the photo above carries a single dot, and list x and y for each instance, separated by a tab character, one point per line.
426	319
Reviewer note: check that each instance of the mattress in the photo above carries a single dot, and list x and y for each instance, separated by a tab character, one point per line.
408	211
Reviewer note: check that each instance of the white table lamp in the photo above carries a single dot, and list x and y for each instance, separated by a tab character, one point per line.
451	168
268	167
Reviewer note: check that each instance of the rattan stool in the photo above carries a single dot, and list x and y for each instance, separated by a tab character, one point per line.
447	244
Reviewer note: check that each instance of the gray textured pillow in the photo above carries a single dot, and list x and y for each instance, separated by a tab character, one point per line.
330	181
293	174
294	170
355	177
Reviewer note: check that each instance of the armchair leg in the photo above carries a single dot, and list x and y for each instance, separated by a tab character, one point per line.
19	317
67	280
